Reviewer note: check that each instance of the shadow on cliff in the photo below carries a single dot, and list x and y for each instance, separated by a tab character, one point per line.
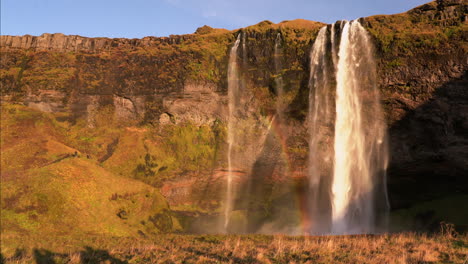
429	158
257	191
267	196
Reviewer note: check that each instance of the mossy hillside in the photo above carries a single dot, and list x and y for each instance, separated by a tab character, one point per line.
147	155
79	197
150	154
29	139
51	188
425	28
185	147
157	154
12	67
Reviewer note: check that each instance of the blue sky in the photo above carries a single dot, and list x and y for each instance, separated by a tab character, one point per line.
139	18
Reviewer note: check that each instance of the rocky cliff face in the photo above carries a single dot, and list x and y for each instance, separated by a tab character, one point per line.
423	69
142	78
64	43
182	80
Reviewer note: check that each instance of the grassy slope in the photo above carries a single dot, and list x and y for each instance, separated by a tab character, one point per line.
396	248
46	190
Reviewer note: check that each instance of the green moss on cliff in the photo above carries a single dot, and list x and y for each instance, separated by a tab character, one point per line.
154	155
431	27
49	187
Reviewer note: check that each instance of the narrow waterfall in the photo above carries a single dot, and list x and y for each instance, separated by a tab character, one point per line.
233	93
279	87
321	120
348	155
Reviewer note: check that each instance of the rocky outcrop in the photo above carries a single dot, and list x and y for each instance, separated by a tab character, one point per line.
443	12
75	43
430	146
197	103
143	79
423	66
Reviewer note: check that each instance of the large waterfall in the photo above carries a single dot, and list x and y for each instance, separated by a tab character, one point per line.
346	190
348	155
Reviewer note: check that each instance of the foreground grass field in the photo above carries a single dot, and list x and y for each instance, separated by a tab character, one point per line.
445	247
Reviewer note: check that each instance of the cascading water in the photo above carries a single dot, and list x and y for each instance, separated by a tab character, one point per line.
321	118
359	134
233	91
347	182
279	79
348	156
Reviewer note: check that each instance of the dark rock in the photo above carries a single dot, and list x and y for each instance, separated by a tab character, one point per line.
122	214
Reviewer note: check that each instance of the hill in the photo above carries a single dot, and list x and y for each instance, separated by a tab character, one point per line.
52	189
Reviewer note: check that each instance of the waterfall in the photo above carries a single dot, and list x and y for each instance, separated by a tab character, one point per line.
320	118
279	79
233	93
359	134
348	155
347	145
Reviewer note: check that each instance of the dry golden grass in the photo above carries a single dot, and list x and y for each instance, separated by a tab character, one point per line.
387	248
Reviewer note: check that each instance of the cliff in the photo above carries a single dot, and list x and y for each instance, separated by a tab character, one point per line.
155	109
423	70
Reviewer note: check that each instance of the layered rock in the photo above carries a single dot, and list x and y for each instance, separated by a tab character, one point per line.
423	70
75	43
